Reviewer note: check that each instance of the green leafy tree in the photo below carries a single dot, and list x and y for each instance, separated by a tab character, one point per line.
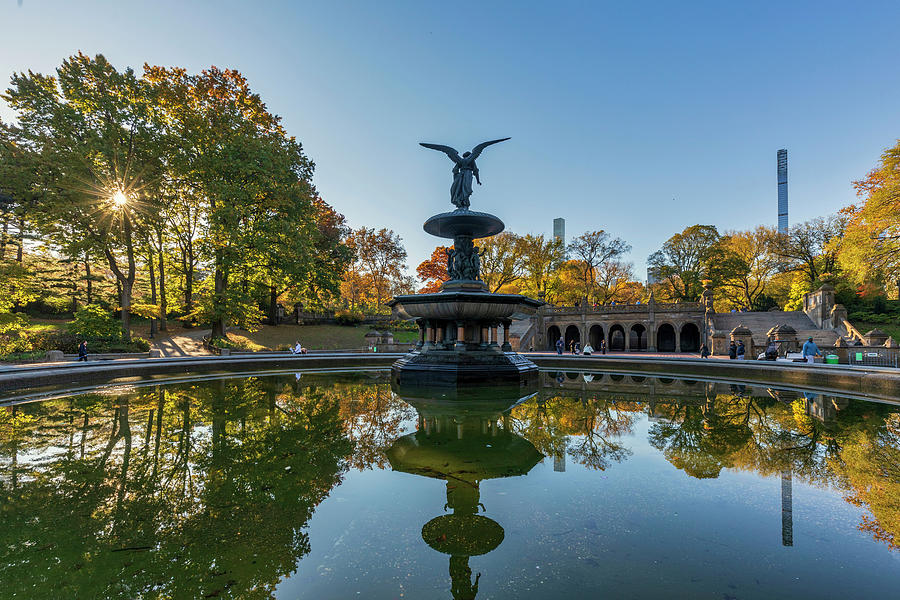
91	126
686	259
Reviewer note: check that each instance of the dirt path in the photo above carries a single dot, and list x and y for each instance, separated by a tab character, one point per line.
187	343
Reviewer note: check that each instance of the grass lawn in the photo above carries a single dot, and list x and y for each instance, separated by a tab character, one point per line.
314	337
38	325
888	328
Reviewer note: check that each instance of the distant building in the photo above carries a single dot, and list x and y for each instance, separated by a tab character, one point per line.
782	192
559	232
559	229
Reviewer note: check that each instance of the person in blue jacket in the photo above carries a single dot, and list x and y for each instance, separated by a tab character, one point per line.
810	351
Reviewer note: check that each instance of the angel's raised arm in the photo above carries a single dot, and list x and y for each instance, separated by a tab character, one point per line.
453	154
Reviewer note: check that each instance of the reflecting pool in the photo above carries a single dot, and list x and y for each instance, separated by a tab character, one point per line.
334	486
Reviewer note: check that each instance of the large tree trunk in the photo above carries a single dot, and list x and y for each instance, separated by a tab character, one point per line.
87	276
163	306
273	305
220	281
3	239
21	237
124	281
189	280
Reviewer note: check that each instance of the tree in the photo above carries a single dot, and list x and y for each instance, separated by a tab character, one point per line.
686	259
540	258
810	247
251	183
433	271
501	262
94	123
593	249
756	260
379	254
870	249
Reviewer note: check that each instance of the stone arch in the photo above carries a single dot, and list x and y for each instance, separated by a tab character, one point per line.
553	334
616	337
572	334
616	377
595	336
665	338
690	338
637	337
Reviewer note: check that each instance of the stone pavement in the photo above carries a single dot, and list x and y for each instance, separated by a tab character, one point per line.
187	343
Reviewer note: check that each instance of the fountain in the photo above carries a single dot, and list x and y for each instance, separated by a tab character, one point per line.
459	325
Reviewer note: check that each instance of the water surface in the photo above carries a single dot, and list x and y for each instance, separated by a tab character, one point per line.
332	486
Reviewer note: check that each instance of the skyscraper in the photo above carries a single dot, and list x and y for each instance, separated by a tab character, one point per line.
782	192
559	229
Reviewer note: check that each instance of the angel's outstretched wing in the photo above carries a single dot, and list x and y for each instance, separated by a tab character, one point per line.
476	151
453	154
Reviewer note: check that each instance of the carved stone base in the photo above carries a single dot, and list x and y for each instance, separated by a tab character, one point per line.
459	368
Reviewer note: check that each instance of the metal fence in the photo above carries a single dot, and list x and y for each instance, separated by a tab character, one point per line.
874	357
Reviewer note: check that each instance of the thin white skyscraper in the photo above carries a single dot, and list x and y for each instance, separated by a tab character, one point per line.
782	192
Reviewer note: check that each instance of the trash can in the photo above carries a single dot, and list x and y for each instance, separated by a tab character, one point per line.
831	359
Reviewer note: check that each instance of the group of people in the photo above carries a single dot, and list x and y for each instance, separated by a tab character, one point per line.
575	347
737	351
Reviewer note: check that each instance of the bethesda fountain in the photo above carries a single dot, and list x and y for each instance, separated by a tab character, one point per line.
459	340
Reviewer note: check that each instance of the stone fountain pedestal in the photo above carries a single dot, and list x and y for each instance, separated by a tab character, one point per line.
460	327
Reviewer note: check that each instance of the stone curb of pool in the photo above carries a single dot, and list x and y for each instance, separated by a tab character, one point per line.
867	381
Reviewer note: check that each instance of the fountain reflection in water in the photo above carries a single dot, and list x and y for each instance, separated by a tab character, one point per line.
463	443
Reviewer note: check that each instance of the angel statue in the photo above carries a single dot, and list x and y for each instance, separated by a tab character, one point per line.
465	169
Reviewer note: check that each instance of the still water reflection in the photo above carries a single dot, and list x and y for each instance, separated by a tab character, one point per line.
332	486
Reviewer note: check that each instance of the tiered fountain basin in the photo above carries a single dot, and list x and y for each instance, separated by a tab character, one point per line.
459	341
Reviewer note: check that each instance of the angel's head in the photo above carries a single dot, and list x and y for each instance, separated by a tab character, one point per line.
465	154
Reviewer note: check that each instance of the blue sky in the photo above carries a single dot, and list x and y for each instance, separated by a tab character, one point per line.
614	109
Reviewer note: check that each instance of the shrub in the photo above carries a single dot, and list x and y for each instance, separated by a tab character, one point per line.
92	321
347	317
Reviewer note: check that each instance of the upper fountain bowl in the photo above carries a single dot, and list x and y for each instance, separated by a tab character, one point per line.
464	222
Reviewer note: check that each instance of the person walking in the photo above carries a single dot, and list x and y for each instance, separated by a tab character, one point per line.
704	351
810	351
82	351
559	346
602	346
741	350
732	351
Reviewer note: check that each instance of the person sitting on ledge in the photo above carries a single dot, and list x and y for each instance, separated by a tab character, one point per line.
588	349
298	349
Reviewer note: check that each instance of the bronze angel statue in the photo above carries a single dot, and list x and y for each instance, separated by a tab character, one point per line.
464	171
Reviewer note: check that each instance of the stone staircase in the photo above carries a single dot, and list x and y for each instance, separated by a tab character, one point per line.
523	330
761	322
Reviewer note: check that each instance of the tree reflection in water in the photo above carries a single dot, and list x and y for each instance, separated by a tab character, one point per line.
181	492
206	489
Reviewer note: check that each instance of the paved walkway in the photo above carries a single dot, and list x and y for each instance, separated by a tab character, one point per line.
188	343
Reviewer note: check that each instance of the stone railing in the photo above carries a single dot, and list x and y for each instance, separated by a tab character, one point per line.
853	332
624	308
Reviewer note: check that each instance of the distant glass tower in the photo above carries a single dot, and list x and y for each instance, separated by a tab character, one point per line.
782	192
559	229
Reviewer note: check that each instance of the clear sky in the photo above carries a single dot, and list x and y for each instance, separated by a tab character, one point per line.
637	118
